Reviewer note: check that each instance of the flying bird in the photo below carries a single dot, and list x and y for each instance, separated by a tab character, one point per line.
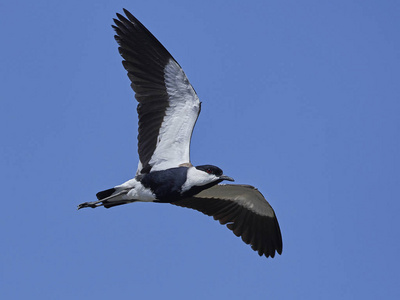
168	108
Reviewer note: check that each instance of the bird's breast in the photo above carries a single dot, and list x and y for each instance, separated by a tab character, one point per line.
166	185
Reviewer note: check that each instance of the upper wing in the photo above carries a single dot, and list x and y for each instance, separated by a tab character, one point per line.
245	211
168	105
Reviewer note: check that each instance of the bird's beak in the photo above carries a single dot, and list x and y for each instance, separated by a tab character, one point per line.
224	177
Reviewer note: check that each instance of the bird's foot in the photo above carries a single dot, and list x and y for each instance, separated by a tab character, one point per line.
89	204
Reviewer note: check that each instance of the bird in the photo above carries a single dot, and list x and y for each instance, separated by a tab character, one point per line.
168	108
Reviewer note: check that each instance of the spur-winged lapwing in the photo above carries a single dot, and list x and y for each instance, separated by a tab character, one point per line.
168	109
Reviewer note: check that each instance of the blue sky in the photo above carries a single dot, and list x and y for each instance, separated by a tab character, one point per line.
300	99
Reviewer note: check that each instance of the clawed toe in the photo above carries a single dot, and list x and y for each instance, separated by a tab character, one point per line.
88	204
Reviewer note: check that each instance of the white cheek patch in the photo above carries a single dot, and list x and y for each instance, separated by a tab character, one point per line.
197	178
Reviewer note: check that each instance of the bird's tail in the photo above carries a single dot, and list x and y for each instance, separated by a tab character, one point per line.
108	198
105	194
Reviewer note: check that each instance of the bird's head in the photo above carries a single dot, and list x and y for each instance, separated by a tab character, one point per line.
202	177
214	174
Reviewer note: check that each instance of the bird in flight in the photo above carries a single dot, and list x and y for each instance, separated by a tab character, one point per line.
168	109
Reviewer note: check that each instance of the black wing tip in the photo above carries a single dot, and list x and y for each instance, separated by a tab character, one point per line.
120	17
121	20
119	24
129	15
268	253
272	250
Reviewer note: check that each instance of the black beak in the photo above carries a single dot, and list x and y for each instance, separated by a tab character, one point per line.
224	177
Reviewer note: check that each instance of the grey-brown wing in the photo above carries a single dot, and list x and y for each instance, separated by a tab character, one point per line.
245	211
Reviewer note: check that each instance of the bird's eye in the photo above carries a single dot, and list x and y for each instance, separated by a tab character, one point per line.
209	171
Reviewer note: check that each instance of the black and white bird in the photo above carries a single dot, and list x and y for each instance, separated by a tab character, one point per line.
168	109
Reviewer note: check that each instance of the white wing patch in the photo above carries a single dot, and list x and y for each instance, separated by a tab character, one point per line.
173	144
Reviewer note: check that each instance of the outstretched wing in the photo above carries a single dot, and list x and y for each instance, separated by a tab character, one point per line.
168	105
245	211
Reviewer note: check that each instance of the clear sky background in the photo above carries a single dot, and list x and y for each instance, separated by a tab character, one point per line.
300	99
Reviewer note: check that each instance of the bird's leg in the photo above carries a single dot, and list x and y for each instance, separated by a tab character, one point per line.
113	200
92	204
